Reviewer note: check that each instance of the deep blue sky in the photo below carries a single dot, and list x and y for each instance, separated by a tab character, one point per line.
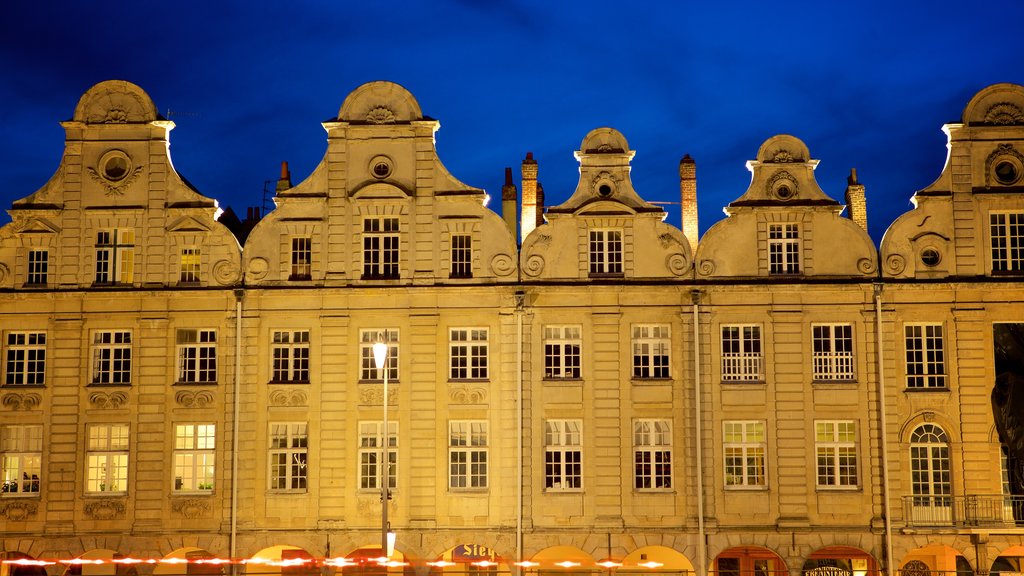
867	85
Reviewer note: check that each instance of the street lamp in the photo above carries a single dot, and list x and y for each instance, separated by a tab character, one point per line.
380	358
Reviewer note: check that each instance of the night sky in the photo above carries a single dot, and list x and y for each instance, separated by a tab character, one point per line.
247	83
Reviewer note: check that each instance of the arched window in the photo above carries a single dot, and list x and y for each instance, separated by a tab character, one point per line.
930	477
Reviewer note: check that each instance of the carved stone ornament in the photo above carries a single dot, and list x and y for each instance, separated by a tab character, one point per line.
190	399
782	186
783	157
286	397
467	394
108	400
865	265
17	510
895	264
258	268
225	272
115	171
5	273
105	509
542	241
191	507
502	265
677	264
22	401
534	265
706	267
373	395
380	115
1004	153
1004	114
667	240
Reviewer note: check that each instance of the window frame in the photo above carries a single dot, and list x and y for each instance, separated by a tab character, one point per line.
461	256
651	343
784	250
194	463
925	356
115	257
563	455
563	351
301	258
111	357
368	474
20	359
652	455
744	455
367	364
21	460
108	458
37	271
605	251
289	356
190	265
197	359
292	473
1006	242
834	364
467	349
836	453
381	248
744	362
929	444
468	455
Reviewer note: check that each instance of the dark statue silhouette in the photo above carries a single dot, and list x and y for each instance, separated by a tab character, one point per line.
1008	406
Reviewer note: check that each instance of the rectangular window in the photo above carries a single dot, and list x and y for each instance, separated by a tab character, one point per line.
112	357
741	353
302	258
835	444
462	256
783	249
368	366
652	454
290	352
380	248
107	458
926	362
651	344
467	454
38	267
563	455
744	449
21	454
370	440
1006	233
288	451
190	264
197	356
194	453
115	256
562	351
25	359
832	357
605	252
467	353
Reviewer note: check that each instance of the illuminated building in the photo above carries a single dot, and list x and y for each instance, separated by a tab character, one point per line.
781	397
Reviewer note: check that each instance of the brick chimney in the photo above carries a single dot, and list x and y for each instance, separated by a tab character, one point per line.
856	203
688	199
285	181
509	202
528	216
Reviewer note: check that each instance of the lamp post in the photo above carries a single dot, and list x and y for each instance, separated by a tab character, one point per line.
380	358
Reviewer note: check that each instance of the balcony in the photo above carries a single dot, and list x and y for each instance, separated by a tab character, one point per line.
973	510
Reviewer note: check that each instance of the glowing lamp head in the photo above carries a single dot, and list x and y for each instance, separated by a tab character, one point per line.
380	354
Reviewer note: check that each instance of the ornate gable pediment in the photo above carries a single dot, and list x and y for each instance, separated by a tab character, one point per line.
38	226
187	224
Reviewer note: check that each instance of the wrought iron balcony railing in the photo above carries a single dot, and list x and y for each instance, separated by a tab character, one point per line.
972	510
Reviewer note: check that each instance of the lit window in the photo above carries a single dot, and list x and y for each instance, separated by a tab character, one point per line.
744	449
651	345
652	454
288	451
462	256
741	353
783	249
370	440
115	256
832	358
25	363
38	267
107	458
562	351
835	443
931	481
21	453
302	258
380	248
190	265
468	354
1006	232
563	455
290	352
926	364
194	455
367	338
605	252
197	356
112	357
467	454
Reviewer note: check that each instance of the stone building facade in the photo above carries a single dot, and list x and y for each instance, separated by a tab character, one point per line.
605	393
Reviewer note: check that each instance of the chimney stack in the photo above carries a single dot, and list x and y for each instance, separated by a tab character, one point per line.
509	203
688	199
285	181
856	203
529	216
540	204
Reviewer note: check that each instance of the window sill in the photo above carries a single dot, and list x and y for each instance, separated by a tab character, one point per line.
837	489
758	382
563	491
744	488
655	491
464	380
566	381
36	495
190	493
303	278
834	382
280	492
180	383
461	277
105	494
378	278
300	382
23	386
606	275
109	384
637	381
380	381
468	491
928	390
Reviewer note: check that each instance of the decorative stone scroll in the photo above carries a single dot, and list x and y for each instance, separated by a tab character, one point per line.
21	401
105	509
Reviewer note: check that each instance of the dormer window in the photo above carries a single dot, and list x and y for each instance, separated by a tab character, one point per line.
380	248
302	258
38	267
783	249
605	252
115	256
